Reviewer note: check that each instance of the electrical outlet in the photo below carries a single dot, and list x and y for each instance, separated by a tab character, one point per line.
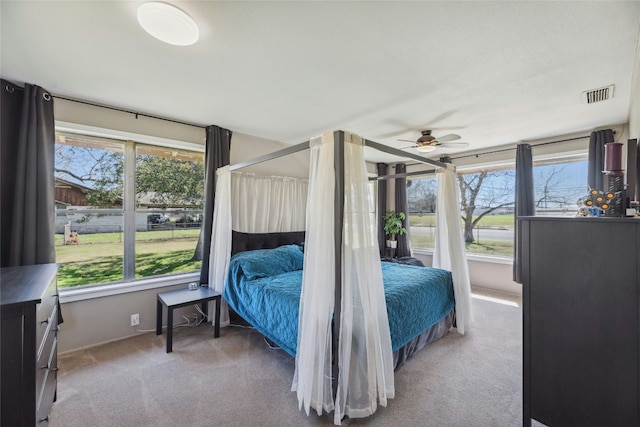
135	319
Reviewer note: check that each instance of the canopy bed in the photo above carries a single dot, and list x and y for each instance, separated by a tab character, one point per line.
342	334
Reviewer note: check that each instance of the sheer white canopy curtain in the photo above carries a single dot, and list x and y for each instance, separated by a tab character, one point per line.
264	204
251	204
450	250
365	358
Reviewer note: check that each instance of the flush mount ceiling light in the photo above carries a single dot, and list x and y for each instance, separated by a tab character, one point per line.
168	24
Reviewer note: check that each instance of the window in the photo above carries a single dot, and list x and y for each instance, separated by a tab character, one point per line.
125	210
486	204
486	208
421	199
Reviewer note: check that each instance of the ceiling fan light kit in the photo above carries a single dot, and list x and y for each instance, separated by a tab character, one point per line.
425	148
428	143
167	23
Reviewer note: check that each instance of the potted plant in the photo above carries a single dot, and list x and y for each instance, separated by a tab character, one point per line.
393	226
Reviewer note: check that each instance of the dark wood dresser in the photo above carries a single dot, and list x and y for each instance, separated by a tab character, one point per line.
28	304
581	320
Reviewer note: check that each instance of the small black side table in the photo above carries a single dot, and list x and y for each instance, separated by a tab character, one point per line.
183	298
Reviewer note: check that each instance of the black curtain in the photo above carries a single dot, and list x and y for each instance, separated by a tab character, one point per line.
596	157
217	154
637	197
636	146
27	191
524	202
403	248
382	206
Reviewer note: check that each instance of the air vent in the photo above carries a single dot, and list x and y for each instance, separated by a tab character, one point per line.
597	95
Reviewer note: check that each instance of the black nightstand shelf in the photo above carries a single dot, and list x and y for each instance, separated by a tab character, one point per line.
182	298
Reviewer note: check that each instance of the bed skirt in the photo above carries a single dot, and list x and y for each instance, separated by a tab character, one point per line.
435	332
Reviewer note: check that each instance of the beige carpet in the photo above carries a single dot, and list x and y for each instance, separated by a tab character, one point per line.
236	380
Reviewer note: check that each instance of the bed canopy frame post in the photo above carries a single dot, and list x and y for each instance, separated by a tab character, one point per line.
338	159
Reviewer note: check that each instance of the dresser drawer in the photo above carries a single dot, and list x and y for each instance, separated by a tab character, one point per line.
47	392
44	329
49	300
46	360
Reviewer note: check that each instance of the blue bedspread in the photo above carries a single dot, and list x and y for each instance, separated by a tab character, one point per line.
267	295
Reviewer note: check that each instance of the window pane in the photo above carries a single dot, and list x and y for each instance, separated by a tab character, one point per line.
89	216
421	198
93	252
558	187
486	203
169	203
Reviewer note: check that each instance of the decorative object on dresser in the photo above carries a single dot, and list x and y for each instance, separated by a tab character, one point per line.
581	321
615	178
29	308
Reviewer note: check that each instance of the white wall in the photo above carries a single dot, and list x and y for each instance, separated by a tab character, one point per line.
246	147
140	128
492	274
94	321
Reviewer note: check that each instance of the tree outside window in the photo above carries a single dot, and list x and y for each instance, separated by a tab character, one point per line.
486	204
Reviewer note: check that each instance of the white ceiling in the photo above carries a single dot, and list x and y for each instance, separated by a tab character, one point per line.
493	72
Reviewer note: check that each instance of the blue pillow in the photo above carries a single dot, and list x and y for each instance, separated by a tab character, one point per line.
269	262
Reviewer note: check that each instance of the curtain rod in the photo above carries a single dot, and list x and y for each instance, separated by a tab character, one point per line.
122	110
533	145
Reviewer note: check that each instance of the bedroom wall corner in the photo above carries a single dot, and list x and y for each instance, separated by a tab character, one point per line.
246	147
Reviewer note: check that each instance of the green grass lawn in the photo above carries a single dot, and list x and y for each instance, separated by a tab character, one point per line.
485	247
493	221
99	257
491	247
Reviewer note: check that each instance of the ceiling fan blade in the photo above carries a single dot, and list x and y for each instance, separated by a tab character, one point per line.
407	140
449	137
454	144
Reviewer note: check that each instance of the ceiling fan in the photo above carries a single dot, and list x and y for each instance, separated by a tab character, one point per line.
427	142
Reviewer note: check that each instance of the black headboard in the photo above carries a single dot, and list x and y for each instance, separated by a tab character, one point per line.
241	242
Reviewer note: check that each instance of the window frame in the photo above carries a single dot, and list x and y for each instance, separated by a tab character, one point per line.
129	282
546	159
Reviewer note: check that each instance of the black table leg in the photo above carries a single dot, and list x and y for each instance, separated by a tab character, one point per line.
216	321
159	318
169	329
